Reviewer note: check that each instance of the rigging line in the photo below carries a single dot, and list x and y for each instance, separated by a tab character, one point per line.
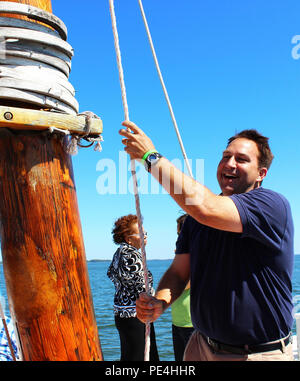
165	89
7	332
133	171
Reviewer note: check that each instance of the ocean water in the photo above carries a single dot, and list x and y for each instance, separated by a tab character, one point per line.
103	292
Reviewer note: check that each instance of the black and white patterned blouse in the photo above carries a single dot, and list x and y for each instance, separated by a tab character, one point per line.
126	272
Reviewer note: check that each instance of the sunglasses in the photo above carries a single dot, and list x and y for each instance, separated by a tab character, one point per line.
137	235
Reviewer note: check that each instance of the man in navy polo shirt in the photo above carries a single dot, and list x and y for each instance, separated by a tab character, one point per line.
237	249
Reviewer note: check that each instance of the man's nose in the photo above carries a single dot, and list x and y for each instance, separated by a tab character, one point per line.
231	162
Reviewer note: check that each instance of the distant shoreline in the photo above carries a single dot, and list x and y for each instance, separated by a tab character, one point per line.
109	260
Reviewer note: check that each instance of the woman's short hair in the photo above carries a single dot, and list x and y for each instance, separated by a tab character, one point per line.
180	220
122	226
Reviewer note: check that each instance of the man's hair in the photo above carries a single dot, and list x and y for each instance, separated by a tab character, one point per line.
265	155
122	226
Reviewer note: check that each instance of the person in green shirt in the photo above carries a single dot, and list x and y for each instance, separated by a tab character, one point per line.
182	326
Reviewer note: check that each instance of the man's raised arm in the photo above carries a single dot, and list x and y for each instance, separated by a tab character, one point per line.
198	201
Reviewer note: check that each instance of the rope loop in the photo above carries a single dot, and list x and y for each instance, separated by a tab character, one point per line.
75	141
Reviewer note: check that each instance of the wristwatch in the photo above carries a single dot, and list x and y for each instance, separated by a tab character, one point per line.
151	160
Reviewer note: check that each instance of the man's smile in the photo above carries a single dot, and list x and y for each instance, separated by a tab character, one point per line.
229	176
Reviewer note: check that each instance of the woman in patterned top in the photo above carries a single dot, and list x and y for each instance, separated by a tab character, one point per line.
126	272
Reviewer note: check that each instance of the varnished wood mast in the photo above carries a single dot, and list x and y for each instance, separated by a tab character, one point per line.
43	4
42	246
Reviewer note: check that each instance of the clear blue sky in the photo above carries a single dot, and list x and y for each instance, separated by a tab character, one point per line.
227	66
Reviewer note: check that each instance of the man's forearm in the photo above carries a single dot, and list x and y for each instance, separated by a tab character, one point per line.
196	199
170	288
189	194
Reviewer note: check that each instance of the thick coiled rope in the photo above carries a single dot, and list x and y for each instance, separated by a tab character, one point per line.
35	64
35	60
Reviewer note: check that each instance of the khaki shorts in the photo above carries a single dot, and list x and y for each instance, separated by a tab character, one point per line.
197	349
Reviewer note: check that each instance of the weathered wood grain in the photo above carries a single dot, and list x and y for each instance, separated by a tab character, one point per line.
43	251
26	119
41	238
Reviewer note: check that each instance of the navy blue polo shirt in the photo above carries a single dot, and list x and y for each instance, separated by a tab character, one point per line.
241	288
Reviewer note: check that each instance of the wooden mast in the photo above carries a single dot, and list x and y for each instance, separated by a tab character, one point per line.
42	246
43	4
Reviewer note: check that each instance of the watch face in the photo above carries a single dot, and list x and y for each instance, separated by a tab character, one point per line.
151	160
152	157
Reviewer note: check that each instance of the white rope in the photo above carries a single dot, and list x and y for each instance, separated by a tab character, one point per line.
2	316
165	90
133	171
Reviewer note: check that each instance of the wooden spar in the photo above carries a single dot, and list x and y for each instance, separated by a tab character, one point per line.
42	245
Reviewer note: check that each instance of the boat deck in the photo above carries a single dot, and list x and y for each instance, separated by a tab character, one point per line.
295	348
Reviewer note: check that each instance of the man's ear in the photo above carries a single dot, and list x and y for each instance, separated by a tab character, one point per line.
262	174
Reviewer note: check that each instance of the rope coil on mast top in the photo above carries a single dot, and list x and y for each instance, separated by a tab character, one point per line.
37	14
35	61
35	64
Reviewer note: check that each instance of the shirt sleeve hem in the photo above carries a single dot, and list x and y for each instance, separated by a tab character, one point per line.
242	212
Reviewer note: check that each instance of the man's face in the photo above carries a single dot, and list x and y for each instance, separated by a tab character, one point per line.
238	170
